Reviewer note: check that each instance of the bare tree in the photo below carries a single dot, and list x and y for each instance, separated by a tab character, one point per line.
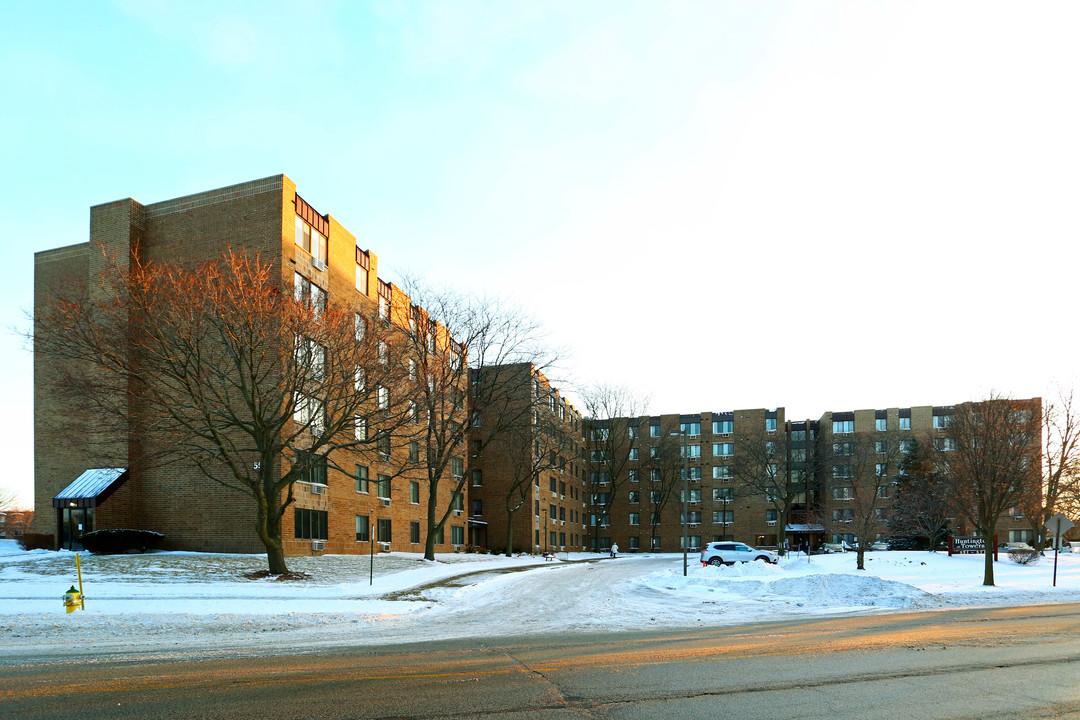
766	463
664	468
1060	455
923	505
454	336
9	499
613	413
862	471
992	461
531	440
222	365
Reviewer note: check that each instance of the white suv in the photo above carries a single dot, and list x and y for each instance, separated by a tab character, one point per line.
729	553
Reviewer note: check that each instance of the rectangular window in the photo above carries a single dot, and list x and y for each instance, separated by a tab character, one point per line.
881	514
457	535
770	424
690	495
798	436
362	528
309	524
655	543
907	446
691	429
382	446
691	451
635	518
841	427
841	471
771	515
309	294
385	530
723	450
634	454
843	449
654	475
632	476
723	427
634	497
725	472
723	494
414	492
905	423
361	479
552	485
879	424
383	398
457	467
632	431
414	533
942	421
883	492
359	327
695	473
881	469
654	431
842	493
654	496
723	517
382	487
477	478
360	429
457	502
311	240
694	516
881	447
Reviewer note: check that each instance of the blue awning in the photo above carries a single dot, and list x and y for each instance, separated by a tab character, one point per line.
90	488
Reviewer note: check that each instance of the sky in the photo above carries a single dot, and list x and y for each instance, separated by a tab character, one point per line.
821	205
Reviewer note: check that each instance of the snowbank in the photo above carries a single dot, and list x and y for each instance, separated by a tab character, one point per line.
178	603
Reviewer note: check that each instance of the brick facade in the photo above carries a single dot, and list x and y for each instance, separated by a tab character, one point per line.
257	217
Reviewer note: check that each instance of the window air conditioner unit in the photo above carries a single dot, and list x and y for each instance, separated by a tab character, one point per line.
726	434
384	547
457	548
318	545
693	524
385	502
771	522
457	513
317	489
318	264
694	502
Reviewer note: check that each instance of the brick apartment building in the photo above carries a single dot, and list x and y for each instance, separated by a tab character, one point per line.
536	469
702	470
527	480
336	510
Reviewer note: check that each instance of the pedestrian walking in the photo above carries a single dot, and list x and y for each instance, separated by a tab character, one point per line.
614	549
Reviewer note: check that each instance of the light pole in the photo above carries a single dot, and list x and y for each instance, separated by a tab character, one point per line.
685	496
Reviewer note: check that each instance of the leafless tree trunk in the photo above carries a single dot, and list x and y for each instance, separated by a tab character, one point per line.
223	365
612	430
1060	480
467	349
993	463
766	464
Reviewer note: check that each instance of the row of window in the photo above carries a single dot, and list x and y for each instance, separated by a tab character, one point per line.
844	427
312	525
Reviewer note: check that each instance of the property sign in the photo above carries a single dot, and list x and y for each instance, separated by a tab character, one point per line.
966	545
969	544
1059	525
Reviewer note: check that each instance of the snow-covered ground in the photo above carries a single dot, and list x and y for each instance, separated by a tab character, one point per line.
174	604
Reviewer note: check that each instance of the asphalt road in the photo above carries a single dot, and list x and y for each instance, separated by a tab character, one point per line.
979	663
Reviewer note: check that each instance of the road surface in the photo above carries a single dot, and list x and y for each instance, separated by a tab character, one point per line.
976	663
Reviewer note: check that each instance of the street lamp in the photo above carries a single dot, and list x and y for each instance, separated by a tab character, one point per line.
685	496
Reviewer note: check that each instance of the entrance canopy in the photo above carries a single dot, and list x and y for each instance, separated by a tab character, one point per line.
805	528
91	488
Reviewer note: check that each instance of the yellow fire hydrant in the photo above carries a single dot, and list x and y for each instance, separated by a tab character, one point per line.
72	599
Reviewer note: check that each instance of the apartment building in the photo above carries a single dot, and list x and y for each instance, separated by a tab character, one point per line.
527	479
666	482
346	501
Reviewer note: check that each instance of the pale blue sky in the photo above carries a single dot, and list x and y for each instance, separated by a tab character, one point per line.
822	205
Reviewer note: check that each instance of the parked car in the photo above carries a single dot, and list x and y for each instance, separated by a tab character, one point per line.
729	553
880	546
